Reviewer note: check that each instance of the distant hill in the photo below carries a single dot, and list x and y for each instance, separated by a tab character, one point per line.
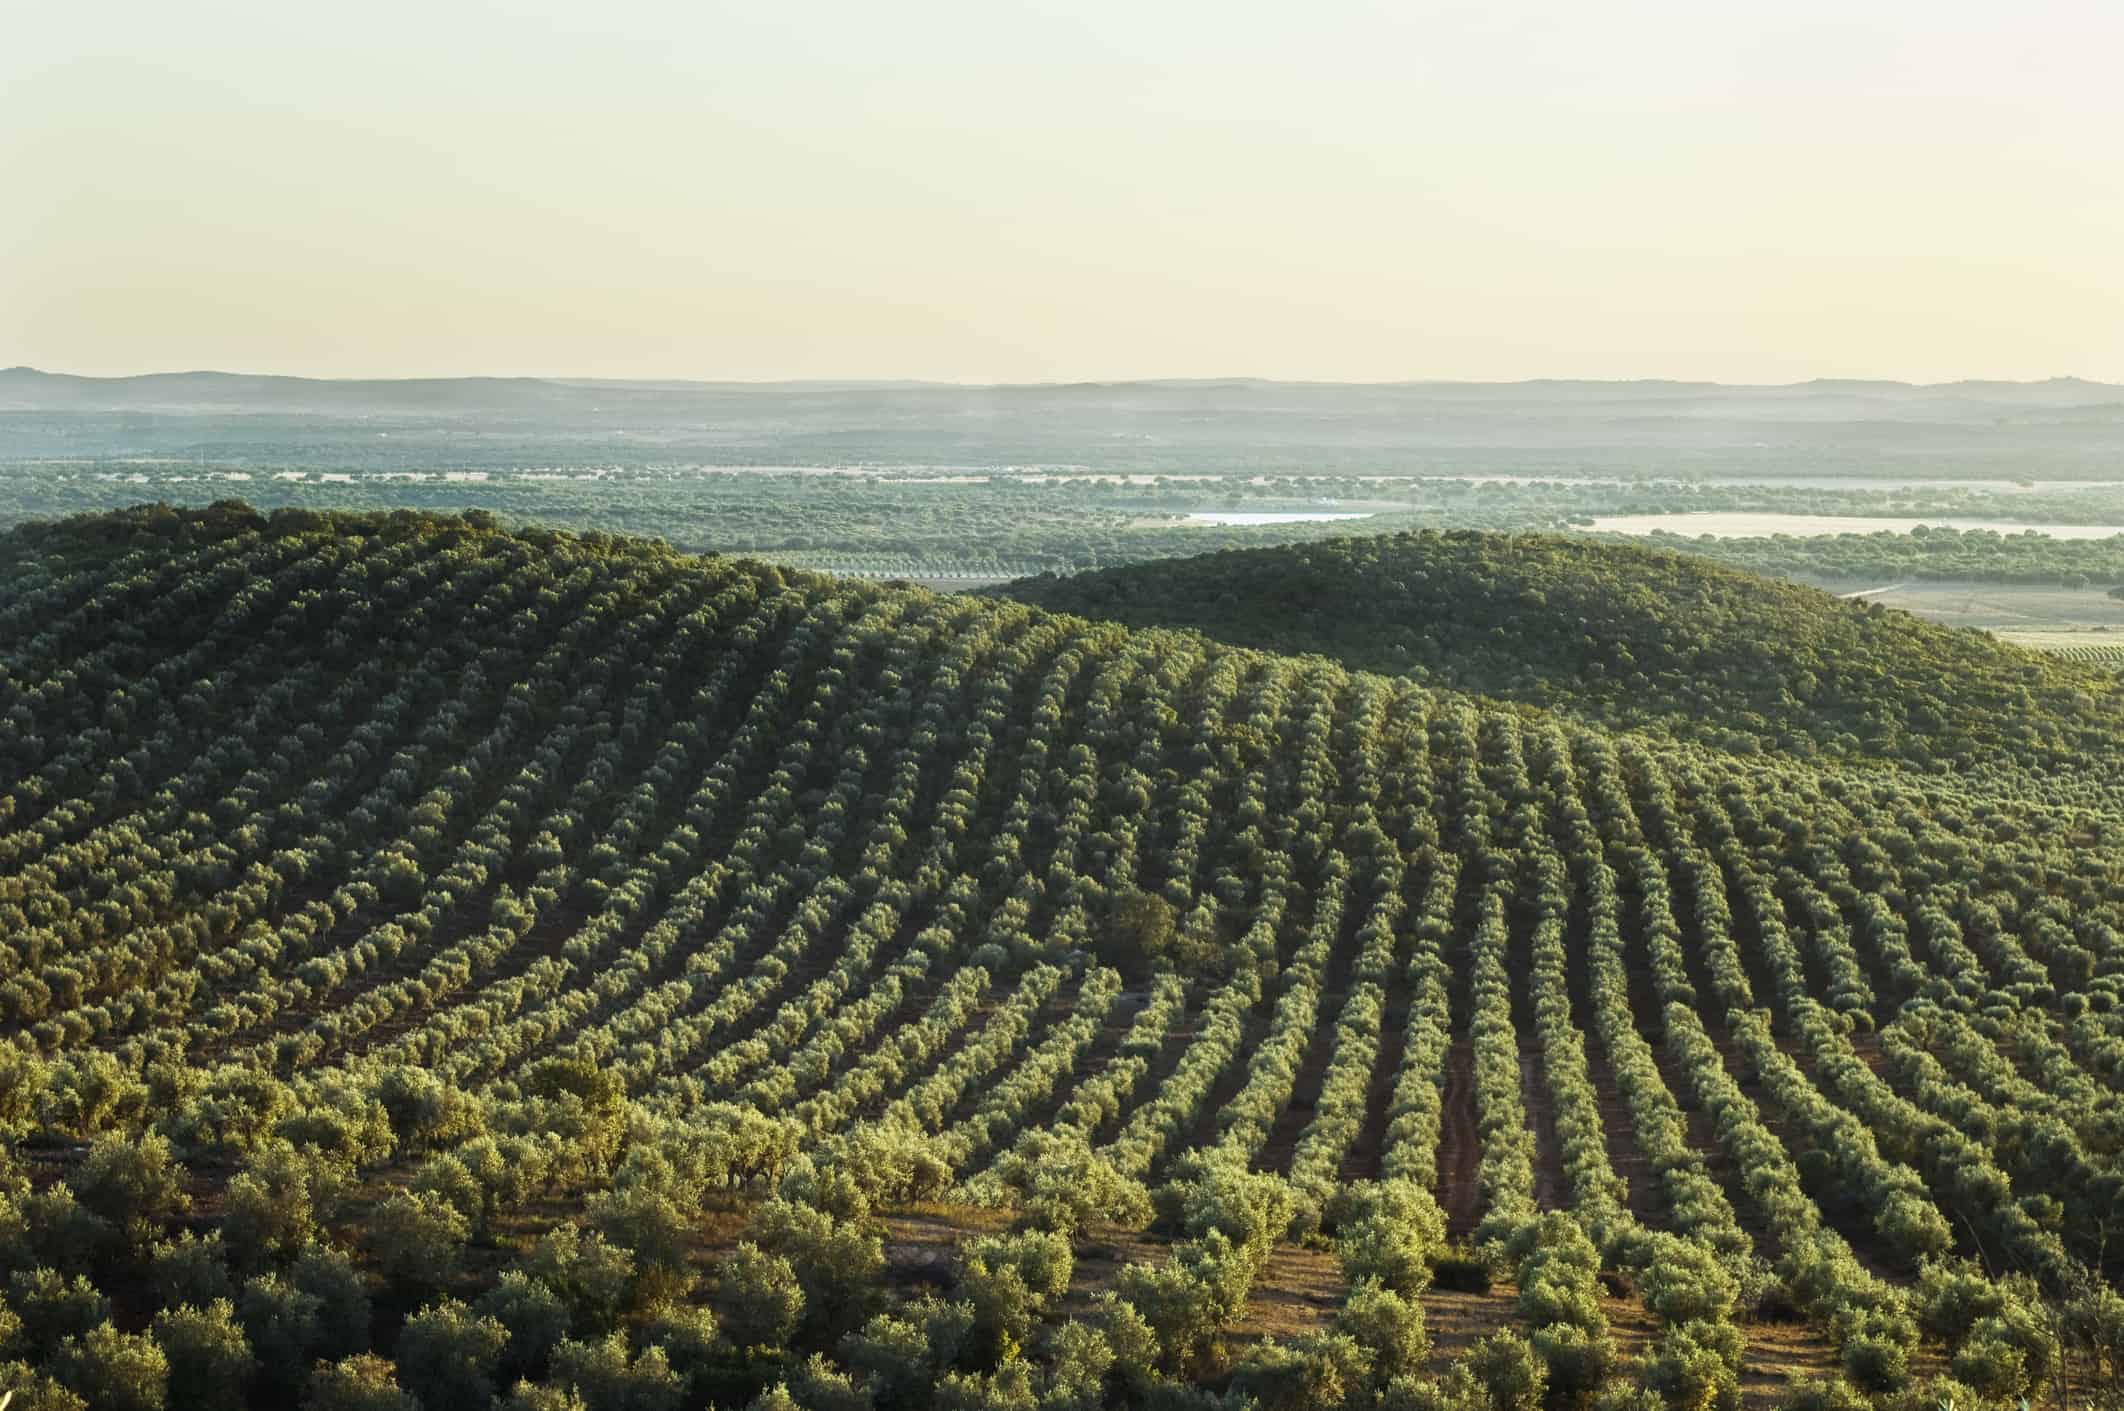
32	389
1626	636
27	388
1232	427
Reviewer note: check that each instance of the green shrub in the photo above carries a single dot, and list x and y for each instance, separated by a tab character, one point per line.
834	1189
134	1184
342	1301
650	1225
271	1207
1131	1338
758	1298
1578	1358
1140	937
446	1177
839	1265
1695	1366
1062	1185
1682	1281
232	1114
1463	1269
52	1308
1007	1388
1250	1209
57	1231
1823	1394
424	1112
1937	1393
190	1270
534	1396
1558	1273
30	1389
607	1379
1391	1231
1507	1371
1183	1304
1079	1358
689	1338
114	1371
342	1124
1620	1395
536	1318
415	1241
818	1385
1011	1280
594	1279
448	1355
285	1328
1952	1294
901	1354
361	1383
210	1362
88	1092
1326	1370
1387	1325
1876	1351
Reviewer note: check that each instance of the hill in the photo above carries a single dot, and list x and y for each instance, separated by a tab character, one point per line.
1883	434
35	388
1628	637
677	982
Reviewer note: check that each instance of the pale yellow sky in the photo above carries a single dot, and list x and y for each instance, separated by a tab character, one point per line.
981	190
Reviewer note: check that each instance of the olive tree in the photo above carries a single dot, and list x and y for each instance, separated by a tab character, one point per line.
210	1362
448	1355
414	1240
114	1371
759	1298
364	1382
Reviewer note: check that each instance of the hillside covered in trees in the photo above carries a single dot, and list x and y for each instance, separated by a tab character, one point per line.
1630	637
450	967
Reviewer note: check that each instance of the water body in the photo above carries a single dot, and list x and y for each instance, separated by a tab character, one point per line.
1721	524
1255	517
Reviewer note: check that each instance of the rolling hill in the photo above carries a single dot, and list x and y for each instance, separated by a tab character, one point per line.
469	964
1630	637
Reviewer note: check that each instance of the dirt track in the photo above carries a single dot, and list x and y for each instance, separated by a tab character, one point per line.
1552	1189
1458	1146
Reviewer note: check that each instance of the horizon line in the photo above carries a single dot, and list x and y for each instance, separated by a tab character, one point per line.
578	380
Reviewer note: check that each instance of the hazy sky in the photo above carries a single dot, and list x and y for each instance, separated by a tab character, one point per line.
985	190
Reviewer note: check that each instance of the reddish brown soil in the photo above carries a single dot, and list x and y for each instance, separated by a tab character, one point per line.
1458	1147
1552	1188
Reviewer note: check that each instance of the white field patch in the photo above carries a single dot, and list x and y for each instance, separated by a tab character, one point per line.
1737	524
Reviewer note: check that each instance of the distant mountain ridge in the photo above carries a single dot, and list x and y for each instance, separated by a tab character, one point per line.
2060	430
32	389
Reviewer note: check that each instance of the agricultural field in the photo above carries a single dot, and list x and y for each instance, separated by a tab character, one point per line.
449	963
1637	639
2109	654
2097	649
2028	615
